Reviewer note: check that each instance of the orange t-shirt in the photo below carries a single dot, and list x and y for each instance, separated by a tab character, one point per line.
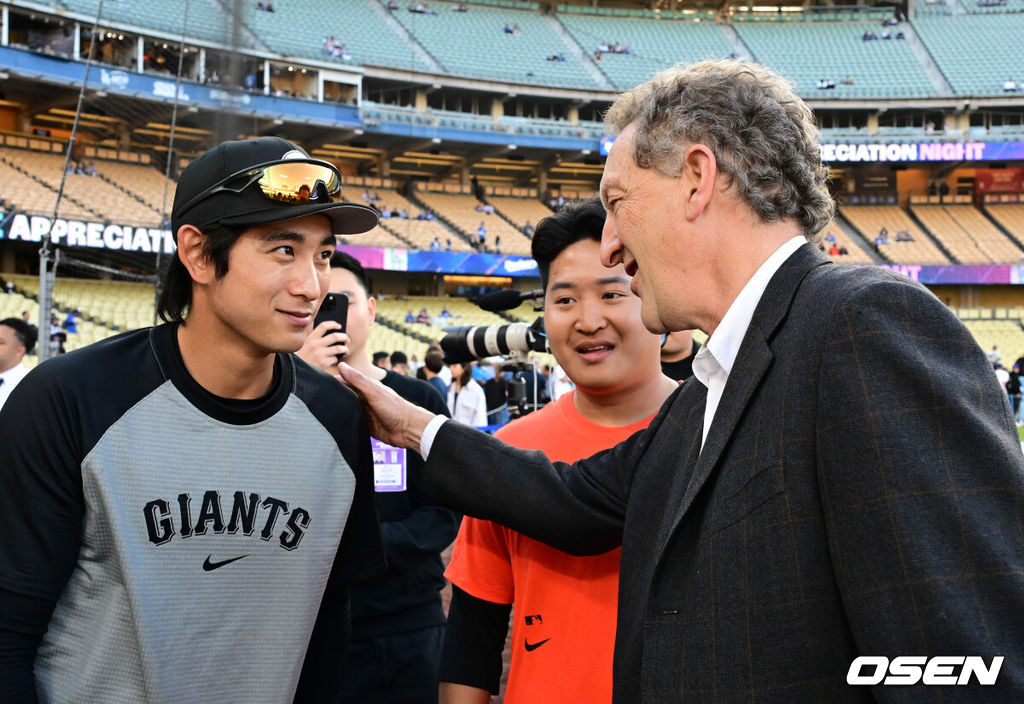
564	607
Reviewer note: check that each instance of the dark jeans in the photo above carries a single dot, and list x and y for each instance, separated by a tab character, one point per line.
395	669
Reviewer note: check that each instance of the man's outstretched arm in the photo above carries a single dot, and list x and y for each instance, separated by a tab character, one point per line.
579	508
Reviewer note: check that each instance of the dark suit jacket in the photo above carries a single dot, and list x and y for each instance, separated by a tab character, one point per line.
861	492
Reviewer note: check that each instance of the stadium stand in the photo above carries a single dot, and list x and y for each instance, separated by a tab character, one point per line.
299	29
520	211
810	52
30	194
967	234
106	307
460	211
976	53
379	236
102	196
993	6
653	44
871	219
475	44
854	252
419	233
206	18
1011	217
143	182
1006	332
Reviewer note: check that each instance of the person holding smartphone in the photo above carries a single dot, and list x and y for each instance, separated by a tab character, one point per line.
397	618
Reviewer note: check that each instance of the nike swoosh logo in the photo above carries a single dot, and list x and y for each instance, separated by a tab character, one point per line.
210	566
533	646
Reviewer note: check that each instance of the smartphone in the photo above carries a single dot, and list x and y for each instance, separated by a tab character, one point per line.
334	307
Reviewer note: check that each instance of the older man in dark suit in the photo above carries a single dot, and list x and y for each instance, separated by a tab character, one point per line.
842	476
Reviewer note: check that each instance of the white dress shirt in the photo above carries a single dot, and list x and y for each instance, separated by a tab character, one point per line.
9	379
713	362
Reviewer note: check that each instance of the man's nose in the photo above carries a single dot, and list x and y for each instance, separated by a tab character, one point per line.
611	247
306	282
591	316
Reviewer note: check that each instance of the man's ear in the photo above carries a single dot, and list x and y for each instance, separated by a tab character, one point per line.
700	172
192	253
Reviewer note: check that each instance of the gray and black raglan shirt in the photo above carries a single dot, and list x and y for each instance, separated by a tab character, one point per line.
186	544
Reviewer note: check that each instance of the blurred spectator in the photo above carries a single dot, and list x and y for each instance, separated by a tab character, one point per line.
1013	391
71	321
496	394
559	383
16	340
400	363
433	365
1002	375
28	321
994	355
466	400
382	359
57	337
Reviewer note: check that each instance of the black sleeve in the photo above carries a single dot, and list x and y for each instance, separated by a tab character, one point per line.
41	509
23	622
41	499
328	649
473	642
579	509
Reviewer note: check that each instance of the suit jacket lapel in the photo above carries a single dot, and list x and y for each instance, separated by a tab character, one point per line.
752	362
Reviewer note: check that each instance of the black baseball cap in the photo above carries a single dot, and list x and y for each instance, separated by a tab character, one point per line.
250	206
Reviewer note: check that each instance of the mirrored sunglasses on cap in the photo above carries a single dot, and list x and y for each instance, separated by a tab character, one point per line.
296	181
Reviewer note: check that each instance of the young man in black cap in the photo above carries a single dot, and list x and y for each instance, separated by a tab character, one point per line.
183	507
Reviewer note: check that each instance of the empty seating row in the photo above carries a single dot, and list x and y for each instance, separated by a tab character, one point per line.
872	219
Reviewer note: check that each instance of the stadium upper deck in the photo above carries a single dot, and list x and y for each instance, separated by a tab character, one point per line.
604	50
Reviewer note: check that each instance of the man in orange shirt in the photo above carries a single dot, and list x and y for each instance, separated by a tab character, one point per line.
564	628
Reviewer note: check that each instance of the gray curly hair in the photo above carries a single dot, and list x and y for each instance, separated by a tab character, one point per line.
762	134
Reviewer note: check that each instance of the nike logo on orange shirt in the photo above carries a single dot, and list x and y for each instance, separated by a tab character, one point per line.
209	566
533	646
